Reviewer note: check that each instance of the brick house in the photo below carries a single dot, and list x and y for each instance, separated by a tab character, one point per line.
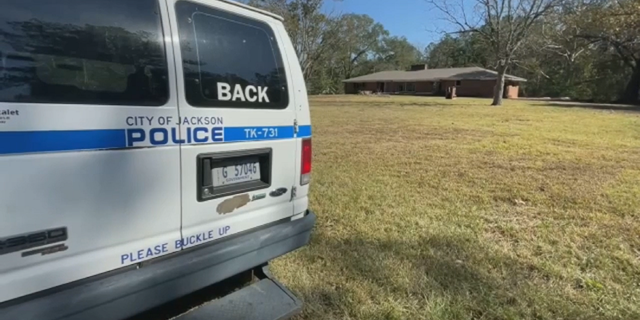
469	82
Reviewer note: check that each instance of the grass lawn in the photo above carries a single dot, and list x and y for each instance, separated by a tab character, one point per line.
436	209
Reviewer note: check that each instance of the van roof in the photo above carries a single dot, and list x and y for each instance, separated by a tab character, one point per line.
254	9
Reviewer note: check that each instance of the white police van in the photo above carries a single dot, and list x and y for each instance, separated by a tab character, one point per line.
148	149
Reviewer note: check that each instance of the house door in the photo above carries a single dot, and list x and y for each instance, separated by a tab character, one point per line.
381	86
437	88
506	89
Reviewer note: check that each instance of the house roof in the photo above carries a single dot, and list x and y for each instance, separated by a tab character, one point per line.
471	73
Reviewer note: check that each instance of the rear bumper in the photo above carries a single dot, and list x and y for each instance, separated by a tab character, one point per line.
126	293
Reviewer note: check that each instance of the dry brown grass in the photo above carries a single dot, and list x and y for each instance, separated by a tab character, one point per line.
436	209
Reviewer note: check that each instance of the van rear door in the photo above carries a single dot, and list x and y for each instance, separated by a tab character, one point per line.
236	119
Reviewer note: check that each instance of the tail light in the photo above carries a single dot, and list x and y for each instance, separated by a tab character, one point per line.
305	168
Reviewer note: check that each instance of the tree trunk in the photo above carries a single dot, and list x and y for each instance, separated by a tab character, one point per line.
498	90
633	86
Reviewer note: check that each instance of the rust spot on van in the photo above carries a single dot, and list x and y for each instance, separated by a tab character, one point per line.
234	203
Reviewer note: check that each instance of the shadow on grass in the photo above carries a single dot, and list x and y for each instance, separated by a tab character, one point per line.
444	277
595	106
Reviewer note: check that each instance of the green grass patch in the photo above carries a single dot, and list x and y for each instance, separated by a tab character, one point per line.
437	209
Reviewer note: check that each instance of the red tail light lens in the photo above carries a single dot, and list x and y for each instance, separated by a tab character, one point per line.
306	162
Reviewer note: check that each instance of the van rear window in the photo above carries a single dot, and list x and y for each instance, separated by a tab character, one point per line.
82	52
229	61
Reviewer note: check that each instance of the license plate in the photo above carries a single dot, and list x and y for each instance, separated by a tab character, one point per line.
236	173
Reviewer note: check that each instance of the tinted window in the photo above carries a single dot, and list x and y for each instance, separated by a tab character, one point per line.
82	51
229	60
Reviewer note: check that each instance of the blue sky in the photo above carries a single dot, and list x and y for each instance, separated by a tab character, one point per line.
410	18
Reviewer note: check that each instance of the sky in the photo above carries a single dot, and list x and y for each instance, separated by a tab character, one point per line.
410	18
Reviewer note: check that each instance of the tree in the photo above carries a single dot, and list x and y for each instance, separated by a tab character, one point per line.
397	53
554	61
615	25
464	50
504	25
360	38
332	47
312	33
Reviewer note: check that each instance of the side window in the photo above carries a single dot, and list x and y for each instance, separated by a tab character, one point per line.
82	52
229	61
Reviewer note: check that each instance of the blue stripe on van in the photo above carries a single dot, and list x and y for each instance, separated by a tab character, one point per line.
304	131
13	142
46	141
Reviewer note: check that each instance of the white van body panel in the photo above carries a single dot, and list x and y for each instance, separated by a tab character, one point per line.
123	202
303	115
113	202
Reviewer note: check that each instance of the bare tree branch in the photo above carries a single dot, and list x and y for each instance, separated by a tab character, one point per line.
505	25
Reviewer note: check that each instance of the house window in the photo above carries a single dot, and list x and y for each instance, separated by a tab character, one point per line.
458	82
411	87
401	87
